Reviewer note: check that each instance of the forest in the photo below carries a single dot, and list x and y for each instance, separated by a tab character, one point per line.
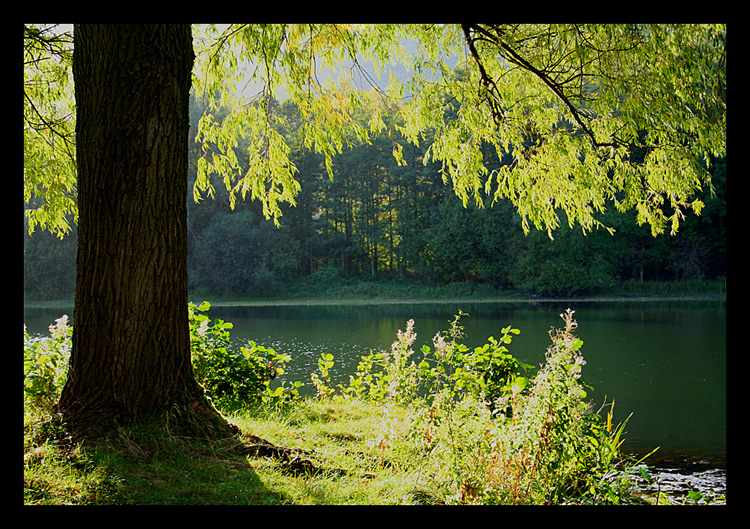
379	221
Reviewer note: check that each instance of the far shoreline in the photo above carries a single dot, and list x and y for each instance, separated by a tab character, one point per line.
315	301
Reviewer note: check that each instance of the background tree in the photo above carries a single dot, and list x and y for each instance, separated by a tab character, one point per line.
239	254
49	264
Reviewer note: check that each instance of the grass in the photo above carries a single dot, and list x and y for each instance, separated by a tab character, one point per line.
360	453
340	435
146	465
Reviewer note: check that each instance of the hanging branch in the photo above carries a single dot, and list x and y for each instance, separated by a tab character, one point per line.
513	56
493	98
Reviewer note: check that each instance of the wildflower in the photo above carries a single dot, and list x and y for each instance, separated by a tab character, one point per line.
60	328
440	346
406	337
202	328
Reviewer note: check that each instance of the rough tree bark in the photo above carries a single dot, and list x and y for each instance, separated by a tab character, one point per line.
131	348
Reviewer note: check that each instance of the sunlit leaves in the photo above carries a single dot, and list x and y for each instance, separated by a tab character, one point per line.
573	105
233	378
267	173
269	58
298	58
583	116
49	129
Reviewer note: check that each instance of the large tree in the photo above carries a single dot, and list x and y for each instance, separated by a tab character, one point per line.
587	116
131	347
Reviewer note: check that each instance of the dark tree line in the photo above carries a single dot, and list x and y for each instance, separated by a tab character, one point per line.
377	220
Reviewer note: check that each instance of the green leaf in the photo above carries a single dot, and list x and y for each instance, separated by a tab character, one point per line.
695	496
519	384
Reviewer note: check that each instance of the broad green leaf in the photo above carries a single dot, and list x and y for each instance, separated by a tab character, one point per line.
518	384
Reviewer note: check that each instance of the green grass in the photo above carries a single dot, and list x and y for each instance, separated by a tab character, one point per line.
146	465
359	453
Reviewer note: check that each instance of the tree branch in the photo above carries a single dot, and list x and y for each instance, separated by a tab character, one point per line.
493	98
51	127
513	56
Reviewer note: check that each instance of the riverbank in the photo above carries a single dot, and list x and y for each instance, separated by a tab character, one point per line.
321	301
219	301
397	301
362	290
365	291
350	461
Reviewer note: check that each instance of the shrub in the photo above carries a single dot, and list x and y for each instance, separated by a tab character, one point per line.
231	378
45	363
495	430
234	378
322	381
389	375
485	373
554	447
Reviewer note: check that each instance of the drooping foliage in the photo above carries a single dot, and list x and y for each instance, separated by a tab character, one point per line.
49	168
588	113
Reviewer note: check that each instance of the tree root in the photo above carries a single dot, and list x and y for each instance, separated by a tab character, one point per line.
293	460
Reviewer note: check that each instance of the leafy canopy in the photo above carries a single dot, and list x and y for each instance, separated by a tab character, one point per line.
583	116
49	168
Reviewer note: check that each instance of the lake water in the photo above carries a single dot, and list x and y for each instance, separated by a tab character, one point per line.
662	361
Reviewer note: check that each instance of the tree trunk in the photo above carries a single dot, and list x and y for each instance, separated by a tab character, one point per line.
131	346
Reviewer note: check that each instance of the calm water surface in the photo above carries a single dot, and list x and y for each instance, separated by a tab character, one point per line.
664	362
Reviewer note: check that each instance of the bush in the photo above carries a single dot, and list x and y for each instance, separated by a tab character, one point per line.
233	378
45	363
230	378
554	448
495	430
485	373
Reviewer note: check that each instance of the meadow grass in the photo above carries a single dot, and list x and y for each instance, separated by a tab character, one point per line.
146	465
